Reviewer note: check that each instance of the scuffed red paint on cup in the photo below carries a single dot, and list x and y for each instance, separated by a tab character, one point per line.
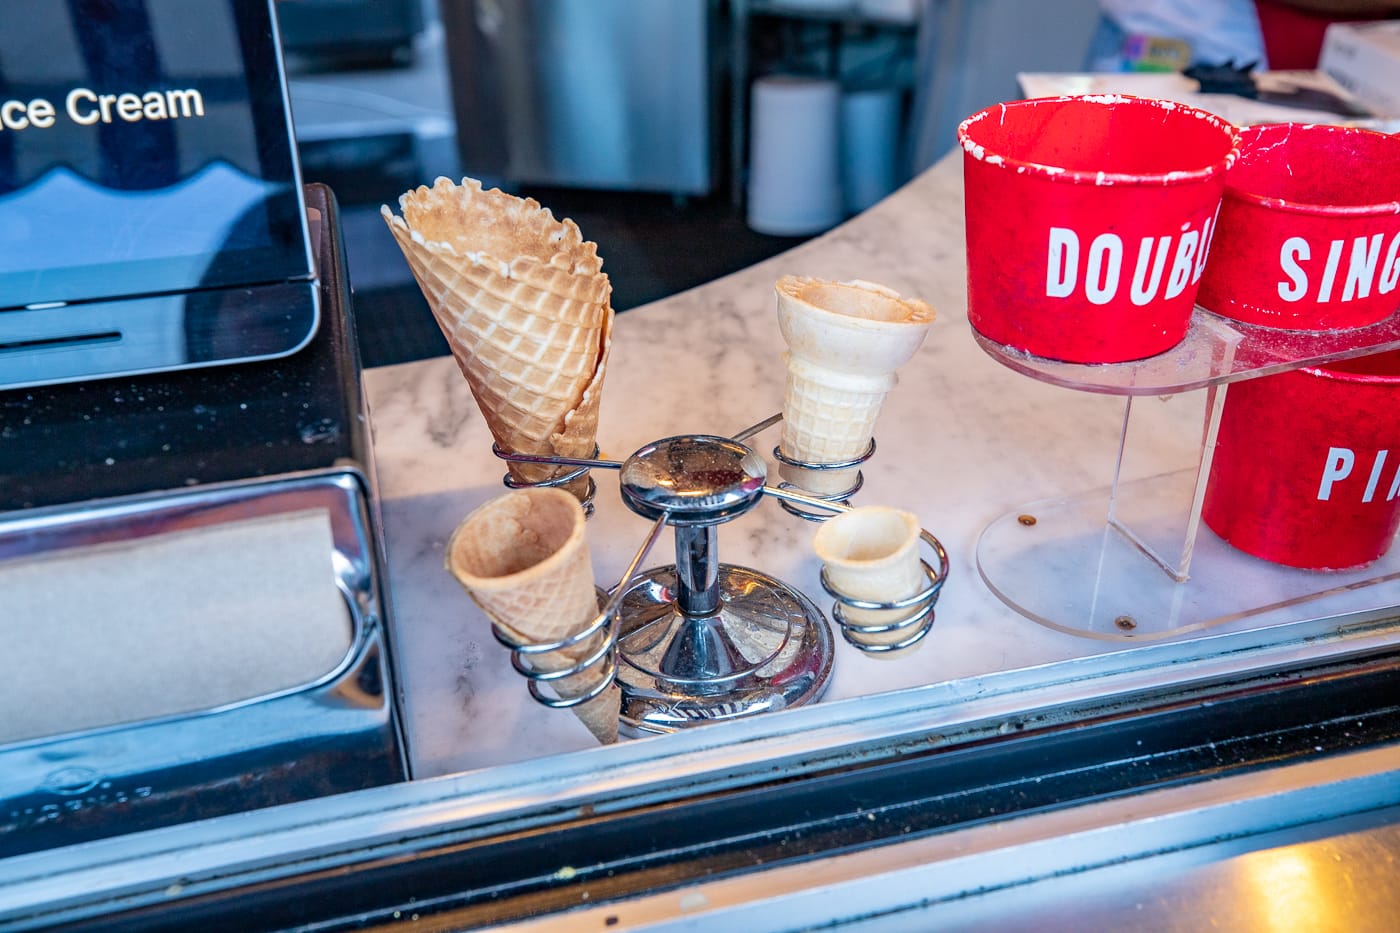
1309	232
1088	222
1306	471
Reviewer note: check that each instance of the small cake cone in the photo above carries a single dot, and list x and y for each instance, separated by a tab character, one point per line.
828	417
845	341
524	560
525	307
872	553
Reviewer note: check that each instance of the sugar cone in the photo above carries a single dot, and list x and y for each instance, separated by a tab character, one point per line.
872	553
523	558
525	307
845	341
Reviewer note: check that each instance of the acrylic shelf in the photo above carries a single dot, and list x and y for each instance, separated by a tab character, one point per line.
1134	561
1215	350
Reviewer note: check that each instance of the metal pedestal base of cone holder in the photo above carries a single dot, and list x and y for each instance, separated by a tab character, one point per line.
702	641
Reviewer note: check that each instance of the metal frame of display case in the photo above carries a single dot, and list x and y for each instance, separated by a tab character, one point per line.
1108	759
914	800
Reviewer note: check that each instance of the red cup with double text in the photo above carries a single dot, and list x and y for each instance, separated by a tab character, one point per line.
1089	220
1306	470
1309	230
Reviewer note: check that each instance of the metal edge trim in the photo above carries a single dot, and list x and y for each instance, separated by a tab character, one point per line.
329	832
925	872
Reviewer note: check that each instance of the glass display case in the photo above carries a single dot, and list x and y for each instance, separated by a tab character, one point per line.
1036	760
1003	759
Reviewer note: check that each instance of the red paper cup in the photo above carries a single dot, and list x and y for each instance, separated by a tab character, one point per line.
1309	231
1088	222
1306	470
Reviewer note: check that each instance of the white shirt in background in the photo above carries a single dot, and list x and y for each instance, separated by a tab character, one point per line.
1218	31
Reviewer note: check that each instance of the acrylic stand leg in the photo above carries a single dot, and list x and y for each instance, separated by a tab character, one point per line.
1164	520
1134	562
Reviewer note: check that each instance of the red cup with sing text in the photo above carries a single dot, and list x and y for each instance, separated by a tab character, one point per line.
1309	230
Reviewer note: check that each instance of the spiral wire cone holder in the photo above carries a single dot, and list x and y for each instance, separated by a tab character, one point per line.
539	675
700	641
840	498
581	468
917	622
601	664
795	506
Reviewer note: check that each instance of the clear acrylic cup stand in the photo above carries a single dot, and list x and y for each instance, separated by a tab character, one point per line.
1133	562
702	641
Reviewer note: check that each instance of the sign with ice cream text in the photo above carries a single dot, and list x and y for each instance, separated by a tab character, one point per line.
85	106
146	148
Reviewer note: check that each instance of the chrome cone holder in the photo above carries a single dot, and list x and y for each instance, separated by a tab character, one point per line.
699	640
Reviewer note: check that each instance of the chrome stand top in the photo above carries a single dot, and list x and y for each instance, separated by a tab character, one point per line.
700	640
695	479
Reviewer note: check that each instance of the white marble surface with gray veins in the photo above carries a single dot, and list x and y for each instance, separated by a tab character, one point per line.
962	441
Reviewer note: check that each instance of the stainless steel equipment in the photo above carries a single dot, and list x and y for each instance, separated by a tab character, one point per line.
588	93
334	734
108	463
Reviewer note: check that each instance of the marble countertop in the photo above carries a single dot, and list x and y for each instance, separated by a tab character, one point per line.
963	440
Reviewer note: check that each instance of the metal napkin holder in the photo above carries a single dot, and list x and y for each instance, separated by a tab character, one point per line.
336	734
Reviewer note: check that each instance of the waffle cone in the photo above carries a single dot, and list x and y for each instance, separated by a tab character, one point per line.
845	342
524	560
525	307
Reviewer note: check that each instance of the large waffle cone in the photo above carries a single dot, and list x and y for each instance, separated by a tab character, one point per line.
524	304
470	219
523	558
845	342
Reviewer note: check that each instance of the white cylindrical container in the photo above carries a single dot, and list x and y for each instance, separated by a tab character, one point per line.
869	146
794	179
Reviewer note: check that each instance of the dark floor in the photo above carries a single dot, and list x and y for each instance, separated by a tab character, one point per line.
653	245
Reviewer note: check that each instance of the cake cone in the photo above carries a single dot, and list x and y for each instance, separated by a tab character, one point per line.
845	340
872	553
525	307
524	560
